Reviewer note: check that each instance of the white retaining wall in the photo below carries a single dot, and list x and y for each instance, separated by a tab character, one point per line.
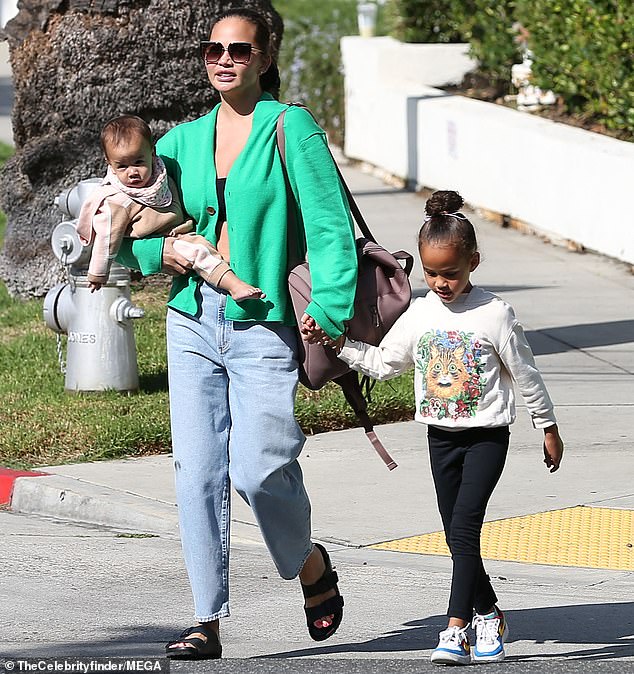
383	80
566	182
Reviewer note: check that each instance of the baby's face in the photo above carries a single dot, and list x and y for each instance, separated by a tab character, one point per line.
131	161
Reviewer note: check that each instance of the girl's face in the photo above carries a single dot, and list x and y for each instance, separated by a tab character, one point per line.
131	161
227	76
447	270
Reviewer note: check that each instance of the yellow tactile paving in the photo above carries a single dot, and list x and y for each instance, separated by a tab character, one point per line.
598	538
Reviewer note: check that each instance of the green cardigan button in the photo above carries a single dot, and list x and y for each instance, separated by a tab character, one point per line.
211	210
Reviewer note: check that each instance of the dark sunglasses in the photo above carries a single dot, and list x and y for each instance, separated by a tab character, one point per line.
240	52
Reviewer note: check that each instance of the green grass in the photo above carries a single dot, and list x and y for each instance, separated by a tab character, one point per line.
6	151
40	424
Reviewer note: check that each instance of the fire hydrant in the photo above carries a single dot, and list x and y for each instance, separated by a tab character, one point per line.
101	351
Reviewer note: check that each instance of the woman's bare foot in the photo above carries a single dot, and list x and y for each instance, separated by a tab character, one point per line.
213	625
311	572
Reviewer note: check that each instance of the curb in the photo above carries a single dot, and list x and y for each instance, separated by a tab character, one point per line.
80	501
8	478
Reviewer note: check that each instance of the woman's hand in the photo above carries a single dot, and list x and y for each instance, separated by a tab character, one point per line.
312	333
553	448
173	262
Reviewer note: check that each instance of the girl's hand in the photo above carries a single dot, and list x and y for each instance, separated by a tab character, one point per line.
337	344
553	448
174	263
311	332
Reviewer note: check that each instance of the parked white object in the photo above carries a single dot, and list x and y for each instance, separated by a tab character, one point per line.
521	73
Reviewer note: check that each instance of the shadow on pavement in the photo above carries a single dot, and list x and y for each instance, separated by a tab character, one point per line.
581	336
566	337
122	641
609	624
607	627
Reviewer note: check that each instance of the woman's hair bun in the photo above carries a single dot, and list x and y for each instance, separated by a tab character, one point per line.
443	201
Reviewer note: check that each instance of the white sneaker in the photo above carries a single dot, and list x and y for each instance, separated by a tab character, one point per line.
491	633
453	647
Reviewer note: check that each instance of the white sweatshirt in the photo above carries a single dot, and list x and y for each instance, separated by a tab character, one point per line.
466	355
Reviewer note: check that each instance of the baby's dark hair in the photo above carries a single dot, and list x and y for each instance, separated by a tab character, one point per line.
270	79
445	224
122	129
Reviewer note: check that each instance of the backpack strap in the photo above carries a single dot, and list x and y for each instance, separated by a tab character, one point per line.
348	382
291	218
281	144
353	394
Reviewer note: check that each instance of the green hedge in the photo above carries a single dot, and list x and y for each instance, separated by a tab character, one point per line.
487	25
584	51
429	21
310	57
489	30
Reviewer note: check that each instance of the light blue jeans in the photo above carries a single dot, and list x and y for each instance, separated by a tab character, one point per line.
232	391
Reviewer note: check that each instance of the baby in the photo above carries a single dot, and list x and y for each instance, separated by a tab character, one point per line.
138	199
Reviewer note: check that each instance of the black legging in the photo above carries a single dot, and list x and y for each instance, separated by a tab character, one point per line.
466	466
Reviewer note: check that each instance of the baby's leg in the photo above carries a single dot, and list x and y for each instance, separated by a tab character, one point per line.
210	266
237	288
184	228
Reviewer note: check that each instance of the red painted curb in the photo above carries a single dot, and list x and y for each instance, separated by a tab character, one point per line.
8	478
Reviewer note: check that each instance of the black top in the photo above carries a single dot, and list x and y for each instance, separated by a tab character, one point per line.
222	206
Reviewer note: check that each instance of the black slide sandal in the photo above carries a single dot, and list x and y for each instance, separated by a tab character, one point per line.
330	607
195	648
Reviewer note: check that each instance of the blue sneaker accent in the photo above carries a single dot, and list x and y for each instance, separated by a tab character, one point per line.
453	647
491	633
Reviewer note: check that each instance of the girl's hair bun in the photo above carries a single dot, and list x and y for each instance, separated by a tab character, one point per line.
444	224
443	201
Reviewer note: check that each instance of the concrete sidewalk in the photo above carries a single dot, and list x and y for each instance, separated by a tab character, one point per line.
577	310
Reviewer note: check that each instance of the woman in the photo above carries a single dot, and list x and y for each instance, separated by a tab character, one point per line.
233	367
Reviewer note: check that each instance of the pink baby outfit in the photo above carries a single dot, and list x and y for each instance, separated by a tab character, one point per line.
113	211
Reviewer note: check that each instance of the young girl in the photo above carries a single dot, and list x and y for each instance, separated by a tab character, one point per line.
468	350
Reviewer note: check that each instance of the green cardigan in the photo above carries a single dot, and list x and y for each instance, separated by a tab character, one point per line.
256	204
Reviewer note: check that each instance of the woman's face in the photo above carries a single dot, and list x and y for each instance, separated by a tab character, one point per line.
228	76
